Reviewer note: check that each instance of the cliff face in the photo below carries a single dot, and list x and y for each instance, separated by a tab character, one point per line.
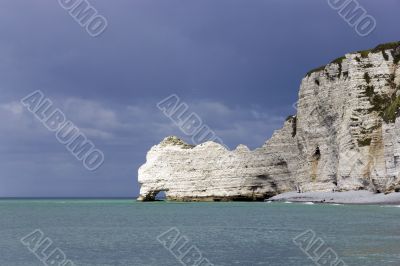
345	136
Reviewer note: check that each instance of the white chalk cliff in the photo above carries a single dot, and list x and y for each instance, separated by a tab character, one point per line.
345	136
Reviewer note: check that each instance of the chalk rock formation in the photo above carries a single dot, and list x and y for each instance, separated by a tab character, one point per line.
345	136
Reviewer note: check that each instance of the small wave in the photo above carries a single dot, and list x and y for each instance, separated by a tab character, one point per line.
288	202
309	203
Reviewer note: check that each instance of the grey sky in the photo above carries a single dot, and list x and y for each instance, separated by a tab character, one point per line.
238	64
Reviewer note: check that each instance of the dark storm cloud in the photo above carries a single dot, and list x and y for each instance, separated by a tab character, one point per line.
238	64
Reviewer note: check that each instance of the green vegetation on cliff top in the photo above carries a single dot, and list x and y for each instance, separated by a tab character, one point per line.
364	54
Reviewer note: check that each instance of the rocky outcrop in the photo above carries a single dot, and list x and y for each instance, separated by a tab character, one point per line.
345	136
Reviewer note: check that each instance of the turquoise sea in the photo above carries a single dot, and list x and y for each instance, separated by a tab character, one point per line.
124	232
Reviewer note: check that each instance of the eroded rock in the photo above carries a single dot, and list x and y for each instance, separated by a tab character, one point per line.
345	136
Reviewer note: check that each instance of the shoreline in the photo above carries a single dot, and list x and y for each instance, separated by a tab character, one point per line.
360	197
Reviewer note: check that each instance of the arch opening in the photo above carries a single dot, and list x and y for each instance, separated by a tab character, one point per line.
154	195
160	196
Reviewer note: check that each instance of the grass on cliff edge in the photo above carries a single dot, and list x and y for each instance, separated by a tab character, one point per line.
364	54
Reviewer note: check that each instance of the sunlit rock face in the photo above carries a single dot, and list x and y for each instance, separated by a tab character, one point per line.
345	136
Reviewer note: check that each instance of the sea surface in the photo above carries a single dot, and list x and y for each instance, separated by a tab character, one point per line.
125	232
